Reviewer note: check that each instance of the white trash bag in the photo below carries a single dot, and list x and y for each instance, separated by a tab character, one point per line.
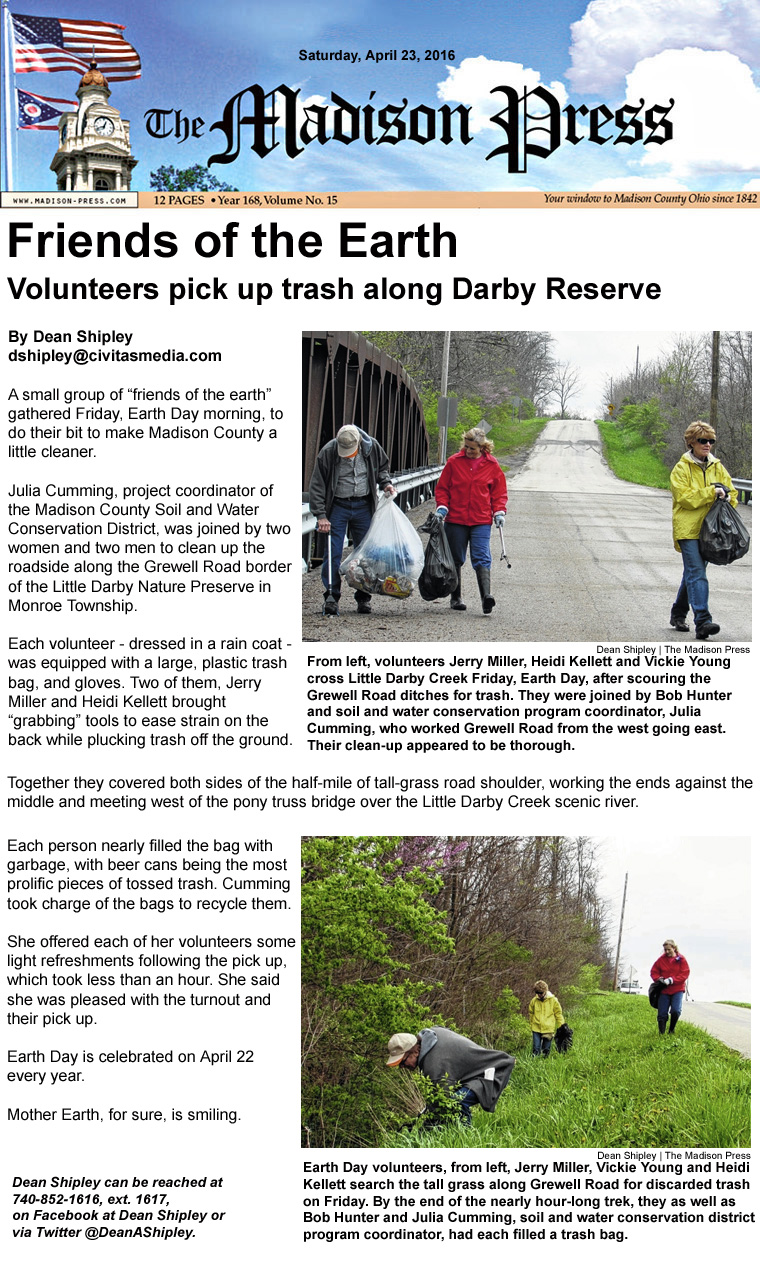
390	556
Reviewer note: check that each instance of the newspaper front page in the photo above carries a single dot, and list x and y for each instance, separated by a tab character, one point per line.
348	823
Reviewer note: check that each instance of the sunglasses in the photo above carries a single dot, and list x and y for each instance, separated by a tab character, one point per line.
706	440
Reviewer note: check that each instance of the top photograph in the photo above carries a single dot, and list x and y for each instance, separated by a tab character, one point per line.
526	486
570	95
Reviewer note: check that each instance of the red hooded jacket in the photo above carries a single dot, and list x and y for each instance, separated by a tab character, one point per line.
473	490
675	968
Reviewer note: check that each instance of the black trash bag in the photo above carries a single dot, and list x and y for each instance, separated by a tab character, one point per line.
655	992
723	537
439	574
563	1038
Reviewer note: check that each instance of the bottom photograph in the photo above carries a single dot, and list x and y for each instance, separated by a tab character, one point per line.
513	991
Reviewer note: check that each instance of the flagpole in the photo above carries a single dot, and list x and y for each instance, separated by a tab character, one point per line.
8	71
6	76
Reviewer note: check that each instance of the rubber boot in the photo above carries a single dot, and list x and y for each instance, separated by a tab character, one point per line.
456	601
661	1026
678	620
672	1027
483	575
706	627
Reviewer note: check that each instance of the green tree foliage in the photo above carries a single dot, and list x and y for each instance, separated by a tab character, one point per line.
362	921
487	370
646	421
194	178
512	1029
588	982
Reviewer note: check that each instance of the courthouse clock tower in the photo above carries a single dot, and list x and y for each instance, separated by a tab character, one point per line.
93	142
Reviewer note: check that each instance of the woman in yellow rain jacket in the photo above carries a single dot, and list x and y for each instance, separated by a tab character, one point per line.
697	479
545	1016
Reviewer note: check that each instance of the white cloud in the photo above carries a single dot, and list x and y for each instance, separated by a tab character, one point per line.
640	183
754	184
716	116
613	35
474	79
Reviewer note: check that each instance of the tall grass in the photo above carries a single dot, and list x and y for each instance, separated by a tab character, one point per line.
621	1085
631	457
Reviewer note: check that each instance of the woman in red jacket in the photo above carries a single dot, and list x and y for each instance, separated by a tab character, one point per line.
471	493
672	970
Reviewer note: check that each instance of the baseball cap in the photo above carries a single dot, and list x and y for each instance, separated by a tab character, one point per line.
348	440
399	1045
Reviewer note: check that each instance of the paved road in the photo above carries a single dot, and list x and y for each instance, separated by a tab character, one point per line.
729	1023
592	560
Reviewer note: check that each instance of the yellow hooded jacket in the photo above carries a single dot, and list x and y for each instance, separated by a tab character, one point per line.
693	490
545	1016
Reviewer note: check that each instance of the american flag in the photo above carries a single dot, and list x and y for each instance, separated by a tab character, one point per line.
35	111
62	44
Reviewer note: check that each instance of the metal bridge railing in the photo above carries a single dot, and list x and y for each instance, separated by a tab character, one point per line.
412	488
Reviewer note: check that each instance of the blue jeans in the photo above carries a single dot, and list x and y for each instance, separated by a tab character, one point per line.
671	1003
467	1101
479	539
352	514
541	1045
693	589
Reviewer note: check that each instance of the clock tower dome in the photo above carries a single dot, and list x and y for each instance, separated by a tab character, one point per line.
93	142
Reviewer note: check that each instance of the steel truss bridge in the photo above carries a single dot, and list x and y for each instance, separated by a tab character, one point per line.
347	379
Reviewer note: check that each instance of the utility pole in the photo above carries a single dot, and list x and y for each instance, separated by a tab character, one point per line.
443	431
714	380
620	937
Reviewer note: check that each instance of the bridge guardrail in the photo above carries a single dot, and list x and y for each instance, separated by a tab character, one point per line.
412	488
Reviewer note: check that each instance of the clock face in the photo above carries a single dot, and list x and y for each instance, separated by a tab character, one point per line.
103	126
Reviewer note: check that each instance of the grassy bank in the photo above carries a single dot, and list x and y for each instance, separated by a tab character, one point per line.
630	457
621	1085
511	436
743	1005
522	434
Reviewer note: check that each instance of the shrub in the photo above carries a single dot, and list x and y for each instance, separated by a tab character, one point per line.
588	982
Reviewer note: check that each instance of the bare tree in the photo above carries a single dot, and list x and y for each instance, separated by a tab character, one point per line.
494	365
566	384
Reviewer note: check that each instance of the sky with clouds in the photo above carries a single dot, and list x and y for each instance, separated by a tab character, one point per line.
703	53
693	890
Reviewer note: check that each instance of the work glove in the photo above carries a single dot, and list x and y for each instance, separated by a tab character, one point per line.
667	982
498	519
442	512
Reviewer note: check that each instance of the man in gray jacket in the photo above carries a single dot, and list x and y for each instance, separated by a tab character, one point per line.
343	496
472	1074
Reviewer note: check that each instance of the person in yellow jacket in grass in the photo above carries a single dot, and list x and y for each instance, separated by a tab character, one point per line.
697	480
545	1016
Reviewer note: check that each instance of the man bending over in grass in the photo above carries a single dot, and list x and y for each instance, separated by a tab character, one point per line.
471	1074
